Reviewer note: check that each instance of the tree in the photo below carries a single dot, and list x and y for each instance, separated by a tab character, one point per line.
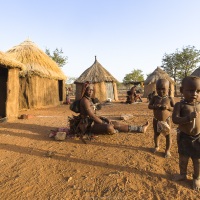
181	63
187	61
135	76
57	56
169	65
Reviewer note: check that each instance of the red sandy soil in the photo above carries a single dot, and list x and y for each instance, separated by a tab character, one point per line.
120	166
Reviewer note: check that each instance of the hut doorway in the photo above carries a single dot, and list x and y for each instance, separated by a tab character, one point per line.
3	93
109	90
60	90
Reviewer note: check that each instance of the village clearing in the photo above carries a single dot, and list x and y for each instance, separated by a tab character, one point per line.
120	166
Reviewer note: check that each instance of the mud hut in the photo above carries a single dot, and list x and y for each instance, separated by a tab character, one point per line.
104	83
150	82
196	72
9	81
42	83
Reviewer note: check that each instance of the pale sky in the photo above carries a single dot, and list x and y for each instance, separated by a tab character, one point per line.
123	34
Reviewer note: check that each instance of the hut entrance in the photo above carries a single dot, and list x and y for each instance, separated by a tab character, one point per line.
3	96
60	90
109	90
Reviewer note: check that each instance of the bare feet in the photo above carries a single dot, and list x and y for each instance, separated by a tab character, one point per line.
196	184
179	177
167	154
92	137
145	126
156	149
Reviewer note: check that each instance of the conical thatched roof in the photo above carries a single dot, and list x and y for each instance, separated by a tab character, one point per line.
196	72
35	60
9	62
158	73
95	74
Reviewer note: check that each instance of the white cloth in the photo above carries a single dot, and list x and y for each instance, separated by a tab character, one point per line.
163	127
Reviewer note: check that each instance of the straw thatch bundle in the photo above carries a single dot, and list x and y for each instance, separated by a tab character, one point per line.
35	61
8	62
150	82
104	83
196	72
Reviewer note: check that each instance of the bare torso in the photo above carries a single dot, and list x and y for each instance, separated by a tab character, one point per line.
87	109
181	115
162	107
86	106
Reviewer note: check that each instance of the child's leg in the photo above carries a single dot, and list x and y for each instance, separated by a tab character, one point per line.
156	141
183	163
196	175
168	146
168	140
156	136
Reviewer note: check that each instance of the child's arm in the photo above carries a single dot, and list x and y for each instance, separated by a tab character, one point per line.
176	118
151	104
171	106
154	106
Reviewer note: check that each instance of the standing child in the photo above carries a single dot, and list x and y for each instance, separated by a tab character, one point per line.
162	106
187	115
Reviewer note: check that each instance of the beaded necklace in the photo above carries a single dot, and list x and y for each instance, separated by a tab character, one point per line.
164	97
192	103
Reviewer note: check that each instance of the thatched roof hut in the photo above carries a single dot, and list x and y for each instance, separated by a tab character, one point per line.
104	83
196	72
9	81
150	82
42	82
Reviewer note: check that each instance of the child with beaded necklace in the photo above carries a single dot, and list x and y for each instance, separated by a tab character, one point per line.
187	115
162	106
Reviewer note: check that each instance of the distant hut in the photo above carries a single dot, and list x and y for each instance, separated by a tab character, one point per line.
196	72
104	83
42	83
9	81
150	82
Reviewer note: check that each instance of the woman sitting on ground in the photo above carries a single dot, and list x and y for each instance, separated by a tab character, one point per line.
90	122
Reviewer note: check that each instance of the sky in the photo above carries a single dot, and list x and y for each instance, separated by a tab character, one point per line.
123	34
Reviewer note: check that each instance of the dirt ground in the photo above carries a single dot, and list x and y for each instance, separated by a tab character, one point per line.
120	166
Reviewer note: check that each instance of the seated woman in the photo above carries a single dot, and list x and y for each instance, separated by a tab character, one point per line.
91	123
136	97
132	96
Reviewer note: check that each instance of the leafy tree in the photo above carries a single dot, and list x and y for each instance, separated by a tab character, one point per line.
187	61
169	65
57	56
135	76
181	63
